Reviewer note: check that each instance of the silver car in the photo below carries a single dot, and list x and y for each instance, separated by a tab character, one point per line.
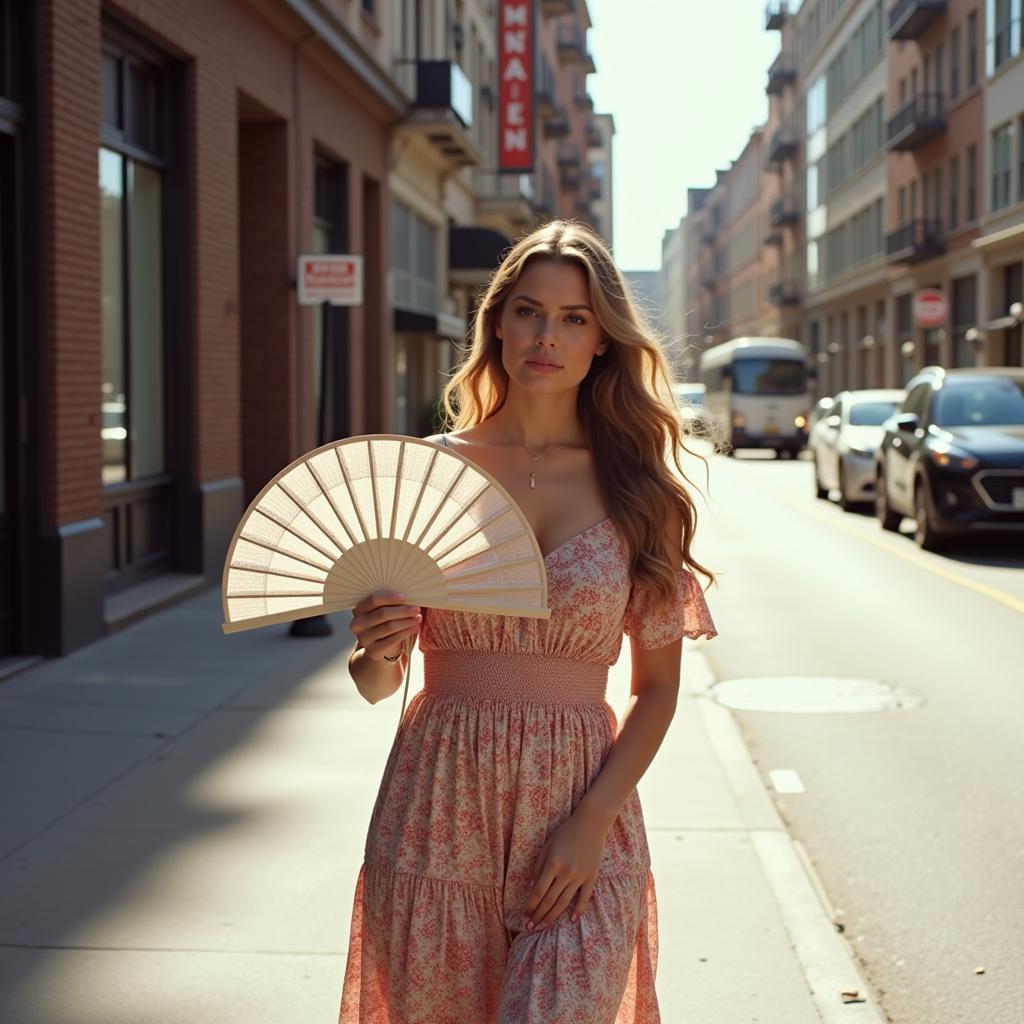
843	443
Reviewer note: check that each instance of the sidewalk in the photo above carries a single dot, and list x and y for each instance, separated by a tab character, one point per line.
183	819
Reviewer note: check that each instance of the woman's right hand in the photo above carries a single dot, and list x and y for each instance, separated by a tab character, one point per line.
382	623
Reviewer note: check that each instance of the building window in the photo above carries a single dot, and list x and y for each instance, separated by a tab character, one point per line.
954	191
971	199
1002	166
1020	160
132	259
937	195
901	202
940	68
413	260
972	49
1003	24
954	63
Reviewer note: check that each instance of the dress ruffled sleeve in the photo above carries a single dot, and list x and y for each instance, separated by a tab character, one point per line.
686	614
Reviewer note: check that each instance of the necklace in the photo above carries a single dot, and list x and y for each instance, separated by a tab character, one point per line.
536	459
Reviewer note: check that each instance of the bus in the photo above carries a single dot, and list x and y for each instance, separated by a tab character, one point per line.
757	394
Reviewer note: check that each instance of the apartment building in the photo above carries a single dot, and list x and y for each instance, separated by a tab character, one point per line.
599	153
731	287
895	138
1000	283
785	150
162	166
841	54
673	287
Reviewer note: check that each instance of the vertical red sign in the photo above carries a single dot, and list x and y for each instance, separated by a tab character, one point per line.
515	85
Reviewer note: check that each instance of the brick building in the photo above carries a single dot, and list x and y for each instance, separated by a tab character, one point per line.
162	166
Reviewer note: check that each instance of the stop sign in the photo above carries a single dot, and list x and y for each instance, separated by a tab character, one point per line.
930	307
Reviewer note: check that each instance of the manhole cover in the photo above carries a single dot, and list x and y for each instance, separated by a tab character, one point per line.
815	694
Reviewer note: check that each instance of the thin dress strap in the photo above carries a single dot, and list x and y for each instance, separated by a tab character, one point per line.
444	438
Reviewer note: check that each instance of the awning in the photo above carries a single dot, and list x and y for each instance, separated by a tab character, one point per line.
996	239
415	321
474	253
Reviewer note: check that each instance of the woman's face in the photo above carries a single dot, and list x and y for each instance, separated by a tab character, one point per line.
548	317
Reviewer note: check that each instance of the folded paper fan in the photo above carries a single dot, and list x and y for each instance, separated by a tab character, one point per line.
381	512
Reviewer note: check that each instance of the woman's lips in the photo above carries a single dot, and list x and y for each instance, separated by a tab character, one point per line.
542	367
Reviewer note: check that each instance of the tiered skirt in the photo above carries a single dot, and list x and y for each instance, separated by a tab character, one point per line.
492	756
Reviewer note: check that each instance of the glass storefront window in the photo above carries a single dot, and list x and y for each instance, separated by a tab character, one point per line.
131	303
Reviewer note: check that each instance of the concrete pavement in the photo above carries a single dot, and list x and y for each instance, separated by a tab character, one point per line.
183	819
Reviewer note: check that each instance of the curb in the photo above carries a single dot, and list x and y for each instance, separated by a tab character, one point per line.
823	955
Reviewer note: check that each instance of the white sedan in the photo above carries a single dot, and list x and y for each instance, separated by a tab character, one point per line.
843	443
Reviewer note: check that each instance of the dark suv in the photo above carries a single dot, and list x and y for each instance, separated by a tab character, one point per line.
952	455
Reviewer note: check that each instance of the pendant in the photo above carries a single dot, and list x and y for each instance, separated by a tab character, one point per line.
533	482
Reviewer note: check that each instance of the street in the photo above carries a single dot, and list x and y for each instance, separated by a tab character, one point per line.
909	816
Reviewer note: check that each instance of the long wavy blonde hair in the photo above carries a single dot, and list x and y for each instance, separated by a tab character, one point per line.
625	404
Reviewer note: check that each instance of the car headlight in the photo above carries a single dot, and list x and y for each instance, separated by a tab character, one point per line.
945	455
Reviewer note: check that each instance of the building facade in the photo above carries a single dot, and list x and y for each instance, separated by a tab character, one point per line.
894	146
162	167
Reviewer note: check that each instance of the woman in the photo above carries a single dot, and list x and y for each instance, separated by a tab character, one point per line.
507	875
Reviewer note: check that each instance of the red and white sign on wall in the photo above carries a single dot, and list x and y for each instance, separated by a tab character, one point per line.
930	307
515	89
334	279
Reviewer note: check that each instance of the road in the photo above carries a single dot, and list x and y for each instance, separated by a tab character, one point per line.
911	817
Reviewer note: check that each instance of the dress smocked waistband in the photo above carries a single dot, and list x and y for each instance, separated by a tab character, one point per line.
487	675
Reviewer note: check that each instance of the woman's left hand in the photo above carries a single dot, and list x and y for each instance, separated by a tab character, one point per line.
568	861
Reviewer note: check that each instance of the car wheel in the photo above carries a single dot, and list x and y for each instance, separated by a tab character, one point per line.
925	534
844	502
888	519
819	491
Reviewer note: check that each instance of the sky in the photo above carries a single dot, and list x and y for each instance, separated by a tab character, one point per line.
684	80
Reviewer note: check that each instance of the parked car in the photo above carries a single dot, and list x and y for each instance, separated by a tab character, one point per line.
820	408
690	397
952	455
843	443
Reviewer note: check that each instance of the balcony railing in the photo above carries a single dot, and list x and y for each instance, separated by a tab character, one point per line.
556	125
555	8
443	85
442	107
583	100
495	187
569	177
774	16
772	238
785	292
593	134
544	200
547	93
916	240
908	19
785	210
568	155
918	121
781	73
571	48
783	144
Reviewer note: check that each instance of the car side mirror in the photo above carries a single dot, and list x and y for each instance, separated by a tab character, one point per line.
905	422
833	421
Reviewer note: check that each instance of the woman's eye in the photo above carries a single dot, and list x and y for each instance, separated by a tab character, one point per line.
525	309
577	318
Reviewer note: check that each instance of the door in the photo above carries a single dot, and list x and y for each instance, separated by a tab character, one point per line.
9	576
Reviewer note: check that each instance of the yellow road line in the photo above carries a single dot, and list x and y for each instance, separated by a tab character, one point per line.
1013	603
